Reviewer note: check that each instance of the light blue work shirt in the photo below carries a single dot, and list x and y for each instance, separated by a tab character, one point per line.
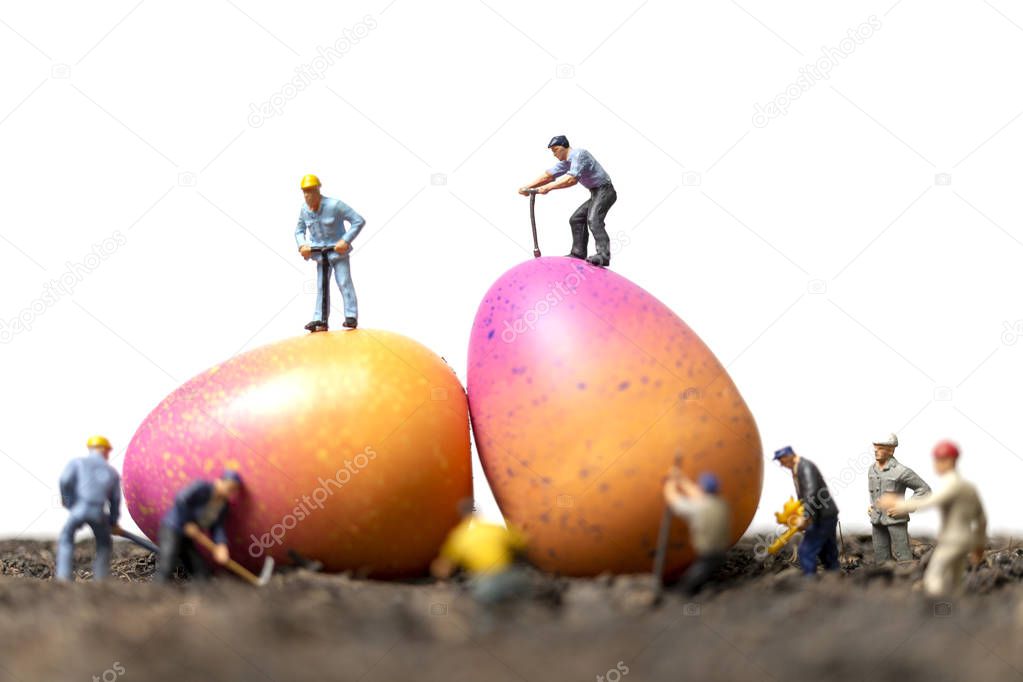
327	226
88	484
581	165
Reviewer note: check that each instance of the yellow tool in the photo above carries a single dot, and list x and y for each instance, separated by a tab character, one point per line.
790	515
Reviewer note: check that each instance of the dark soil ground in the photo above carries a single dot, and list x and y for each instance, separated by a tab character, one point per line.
761	621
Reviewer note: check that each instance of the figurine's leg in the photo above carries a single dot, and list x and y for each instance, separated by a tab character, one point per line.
809	549
882	543
829	548
104	543
322	289
170	552
195	563
602	200
938	578
899	534
66	548
343	275
700	573
580	235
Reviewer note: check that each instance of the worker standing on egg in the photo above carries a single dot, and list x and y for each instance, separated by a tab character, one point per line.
577	166
91	490
709	521
888	476
321	228
963	531
821	512
200	507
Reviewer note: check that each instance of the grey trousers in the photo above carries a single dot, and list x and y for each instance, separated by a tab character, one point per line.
591	215
176	549
97	519
700	572
891	541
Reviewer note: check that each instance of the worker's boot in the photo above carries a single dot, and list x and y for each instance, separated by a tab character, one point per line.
316	326
351	322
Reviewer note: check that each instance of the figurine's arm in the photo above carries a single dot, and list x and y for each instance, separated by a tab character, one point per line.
355	222
913	481
562	182
300	230
115	501
68	479
542	180
938	497
676	501
217	530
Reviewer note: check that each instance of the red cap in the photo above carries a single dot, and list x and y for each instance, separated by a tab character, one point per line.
946	449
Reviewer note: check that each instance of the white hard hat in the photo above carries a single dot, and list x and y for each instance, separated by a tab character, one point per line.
891	440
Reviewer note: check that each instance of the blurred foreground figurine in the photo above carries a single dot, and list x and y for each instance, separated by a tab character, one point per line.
821	518
321	230
709	520
91	489
963	524
488	553
200	507
579	166
888	476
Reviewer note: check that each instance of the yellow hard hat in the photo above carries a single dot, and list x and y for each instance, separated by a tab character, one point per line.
98	442
310	181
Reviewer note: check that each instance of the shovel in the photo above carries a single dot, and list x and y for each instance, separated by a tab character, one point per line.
248	576
532	220
137	539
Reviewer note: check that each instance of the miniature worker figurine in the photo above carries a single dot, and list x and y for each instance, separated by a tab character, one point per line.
200	507
578	166
321	227
821	518
886	475
709	521
488	553
963	523
91	489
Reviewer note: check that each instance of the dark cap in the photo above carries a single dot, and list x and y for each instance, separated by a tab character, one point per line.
558	141
231	475
784	452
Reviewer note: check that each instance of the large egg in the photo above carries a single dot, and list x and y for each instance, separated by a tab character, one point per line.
353	448
582	388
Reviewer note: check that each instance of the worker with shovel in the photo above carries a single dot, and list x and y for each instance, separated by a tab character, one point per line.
321	230
577	166
91	490
198	508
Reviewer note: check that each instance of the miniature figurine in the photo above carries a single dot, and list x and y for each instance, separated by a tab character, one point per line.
963	523
886	475
579	166
709	521
821	520
91	490
488	553
201	506
323	218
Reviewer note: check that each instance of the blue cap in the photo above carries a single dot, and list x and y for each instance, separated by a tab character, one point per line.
558	141
784	452
709	483
231	475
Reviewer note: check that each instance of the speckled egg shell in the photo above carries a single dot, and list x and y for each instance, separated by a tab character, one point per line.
353	447
582	388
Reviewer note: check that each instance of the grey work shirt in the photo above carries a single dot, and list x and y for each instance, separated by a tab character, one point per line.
896	478
581	165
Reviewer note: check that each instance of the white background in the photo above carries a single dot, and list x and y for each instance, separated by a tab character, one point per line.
844	286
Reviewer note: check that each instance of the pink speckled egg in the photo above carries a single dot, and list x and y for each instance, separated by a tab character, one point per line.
353	448
582	388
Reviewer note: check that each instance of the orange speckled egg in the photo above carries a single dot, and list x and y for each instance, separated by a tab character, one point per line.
582	388
353	448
